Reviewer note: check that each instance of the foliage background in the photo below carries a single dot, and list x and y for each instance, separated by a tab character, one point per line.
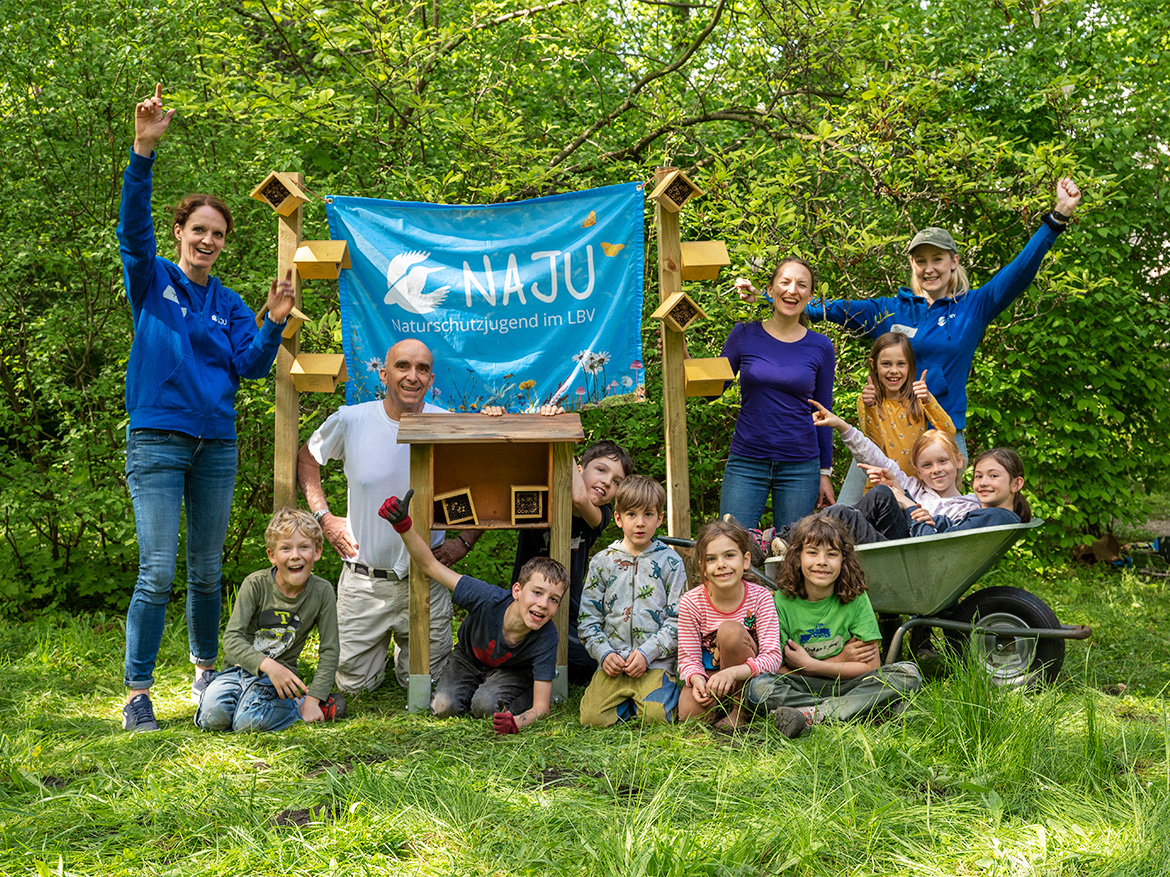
826	128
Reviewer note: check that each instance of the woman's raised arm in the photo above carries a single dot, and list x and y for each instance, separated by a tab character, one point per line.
151	121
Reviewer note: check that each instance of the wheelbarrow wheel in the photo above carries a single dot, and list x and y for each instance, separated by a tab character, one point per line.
1010	660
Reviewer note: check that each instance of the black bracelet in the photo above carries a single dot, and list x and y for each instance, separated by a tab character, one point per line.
466	544
1053	223
1060	217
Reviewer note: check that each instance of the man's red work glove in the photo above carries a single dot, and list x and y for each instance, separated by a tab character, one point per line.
397	512
505	723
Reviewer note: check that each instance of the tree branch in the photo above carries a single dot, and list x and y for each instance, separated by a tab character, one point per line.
638	86
420	83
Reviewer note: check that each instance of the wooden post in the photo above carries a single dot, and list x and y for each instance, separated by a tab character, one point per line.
288	401
674	401
418	692
560	520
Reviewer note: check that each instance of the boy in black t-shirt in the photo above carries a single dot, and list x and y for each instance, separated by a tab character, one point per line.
595	481
505	659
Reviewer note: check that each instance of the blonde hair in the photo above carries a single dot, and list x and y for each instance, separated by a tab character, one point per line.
287	521
959	286
938	437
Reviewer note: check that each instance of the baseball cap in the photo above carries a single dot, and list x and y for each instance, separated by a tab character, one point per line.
938	237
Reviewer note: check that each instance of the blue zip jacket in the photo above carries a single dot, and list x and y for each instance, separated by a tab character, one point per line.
944	335
188	354
976	520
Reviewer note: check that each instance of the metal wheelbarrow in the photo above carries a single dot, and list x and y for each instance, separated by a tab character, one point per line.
1010	632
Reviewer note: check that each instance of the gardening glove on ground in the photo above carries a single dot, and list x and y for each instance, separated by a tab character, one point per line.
505	723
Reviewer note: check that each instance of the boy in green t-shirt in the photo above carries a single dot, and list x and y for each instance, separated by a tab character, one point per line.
832	663
274	612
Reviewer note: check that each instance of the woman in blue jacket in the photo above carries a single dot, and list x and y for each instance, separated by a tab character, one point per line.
193	340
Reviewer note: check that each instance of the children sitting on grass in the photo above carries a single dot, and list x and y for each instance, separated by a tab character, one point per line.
832	661
274	612
727	629
629	613
505	659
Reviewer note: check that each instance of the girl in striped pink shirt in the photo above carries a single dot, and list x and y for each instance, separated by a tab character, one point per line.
728	631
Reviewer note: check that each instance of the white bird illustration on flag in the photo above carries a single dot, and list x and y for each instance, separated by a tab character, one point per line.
406	279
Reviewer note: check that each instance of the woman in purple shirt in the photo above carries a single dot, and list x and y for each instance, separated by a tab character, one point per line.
781	364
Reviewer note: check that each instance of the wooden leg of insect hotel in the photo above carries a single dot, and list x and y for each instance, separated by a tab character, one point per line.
560	511
418	693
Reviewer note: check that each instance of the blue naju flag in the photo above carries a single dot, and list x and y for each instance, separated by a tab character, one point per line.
521	304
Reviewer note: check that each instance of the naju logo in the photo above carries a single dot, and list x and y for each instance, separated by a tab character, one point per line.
406	279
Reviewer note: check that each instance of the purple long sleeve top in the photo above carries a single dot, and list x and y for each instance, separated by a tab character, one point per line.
777	378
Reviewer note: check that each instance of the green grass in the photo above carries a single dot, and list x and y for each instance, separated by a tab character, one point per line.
970	780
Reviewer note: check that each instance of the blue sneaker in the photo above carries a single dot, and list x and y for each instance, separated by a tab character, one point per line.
138	714
200	685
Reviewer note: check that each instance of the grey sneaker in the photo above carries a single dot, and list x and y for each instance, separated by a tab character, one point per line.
138	714
791	722
200	685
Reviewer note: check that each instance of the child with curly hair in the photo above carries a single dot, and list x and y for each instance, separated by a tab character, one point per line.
832	662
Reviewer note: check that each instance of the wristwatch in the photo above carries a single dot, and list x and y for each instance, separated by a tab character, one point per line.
320	513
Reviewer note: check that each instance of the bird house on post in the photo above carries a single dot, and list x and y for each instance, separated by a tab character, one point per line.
679	311
706	377
321	260
292	325
281	192
701	260
674	190
318	372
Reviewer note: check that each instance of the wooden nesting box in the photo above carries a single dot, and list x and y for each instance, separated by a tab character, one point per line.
701	260
456	507
281	192
487	456
291	326
322	260
679	311
706	377
529	502
318	372
490	457
674	190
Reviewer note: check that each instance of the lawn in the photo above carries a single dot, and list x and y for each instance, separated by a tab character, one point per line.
1071	780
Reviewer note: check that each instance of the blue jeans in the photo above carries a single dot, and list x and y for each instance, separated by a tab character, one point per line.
238	701
747	483
166	472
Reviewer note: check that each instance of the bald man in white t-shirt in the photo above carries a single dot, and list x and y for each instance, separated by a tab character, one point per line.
373	591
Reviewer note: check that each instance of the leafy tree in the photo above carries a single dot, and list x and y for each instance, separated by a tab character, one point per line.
830	129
